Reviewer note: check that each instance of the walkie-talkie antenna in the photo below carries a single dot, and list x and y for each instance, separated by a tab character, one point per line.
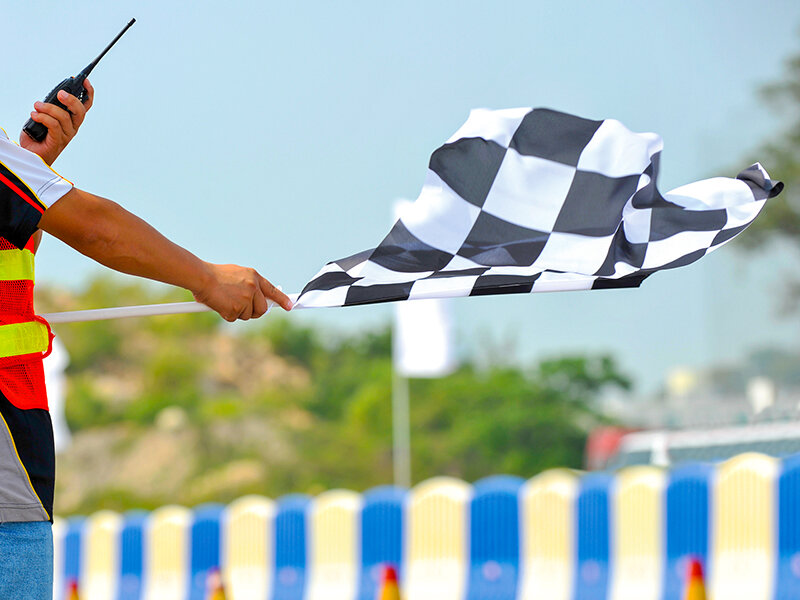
91	65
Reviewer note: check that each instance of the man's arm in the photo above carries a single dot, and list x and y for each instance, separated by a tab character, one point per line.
107	233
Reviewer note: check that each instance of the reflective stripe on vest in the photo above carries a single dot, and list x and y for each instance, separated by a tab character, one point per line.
28	337
16	265
17	339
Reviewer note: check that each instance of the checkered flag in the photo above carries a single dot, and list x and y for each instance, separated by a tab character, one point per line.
534	200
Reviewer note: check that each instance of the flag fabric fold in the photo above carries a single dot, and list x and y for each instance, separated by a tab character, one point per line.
535	200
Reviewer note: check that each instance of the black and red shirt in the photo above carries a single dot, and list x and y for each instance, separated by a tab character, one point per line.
27	457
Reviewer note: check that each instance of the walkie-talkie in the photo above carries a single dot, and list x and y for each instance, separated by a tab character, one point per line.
71	85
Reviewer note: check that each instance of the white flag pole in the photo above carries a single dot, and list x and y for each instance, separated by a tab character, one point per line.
145	310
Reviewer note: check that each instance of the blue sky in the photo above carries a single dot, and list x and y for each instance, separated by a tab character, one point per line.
279	135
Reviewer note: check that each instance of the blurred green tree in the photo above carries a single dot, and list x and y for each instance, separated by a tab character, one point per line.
781	157
470	424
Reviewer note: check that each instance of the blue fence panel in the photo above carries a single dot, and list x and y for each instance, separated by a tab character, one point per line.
381	537
787	582
592	519
72	552
131	556
290	547
686	525
204	548
494	538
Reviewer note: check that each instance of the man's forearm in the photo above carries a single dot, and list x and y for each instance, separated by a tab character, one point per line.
109	234
106	232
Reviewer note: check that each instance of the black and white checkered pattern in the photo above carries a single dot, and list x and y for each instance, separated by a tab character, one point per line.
534	200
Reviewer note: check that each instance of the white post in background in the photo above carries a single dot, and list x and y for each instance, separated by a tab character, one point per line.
401	431
55	381
421	347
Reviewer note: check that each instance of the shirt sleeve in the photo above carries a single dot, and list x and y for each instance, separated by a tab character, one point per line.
27	187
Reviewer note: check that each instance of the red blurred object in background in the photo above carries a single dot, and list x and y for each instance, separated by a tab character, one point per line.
602	445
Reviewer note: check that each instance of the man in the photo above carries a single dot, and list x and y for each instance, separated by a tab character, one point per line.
34	198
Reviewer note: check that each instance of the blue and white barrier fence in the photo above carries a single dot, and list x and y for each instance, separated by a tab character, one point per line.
560	535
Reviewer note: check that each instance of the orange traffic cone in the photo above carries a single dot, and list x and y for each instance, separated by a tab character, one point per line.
72	590
695	588
216	589
389	589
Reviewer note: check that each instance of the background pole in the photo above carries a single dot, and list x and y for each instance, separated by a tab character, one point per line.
401	431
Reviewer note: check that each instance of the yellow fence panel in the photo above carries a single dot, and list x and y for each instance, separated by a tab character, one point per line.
743	528
547	535
334	546
436	546
167	553
100	570
248	553
637	538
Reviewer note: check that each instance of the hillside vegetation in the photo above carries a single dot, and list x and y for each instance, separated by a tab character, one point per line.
185	409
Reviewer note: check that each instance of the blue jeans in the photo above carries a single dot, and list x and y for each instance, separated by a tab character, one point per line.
26	560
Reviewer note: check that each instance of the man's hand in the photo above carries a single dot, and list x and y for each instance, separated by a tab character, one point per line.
238	292
61	125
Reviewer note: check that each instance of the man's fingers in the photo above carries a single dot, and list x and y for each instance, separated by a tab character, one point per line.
274	294
62	117
77	111
247	312
45	119
89	94
260	305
